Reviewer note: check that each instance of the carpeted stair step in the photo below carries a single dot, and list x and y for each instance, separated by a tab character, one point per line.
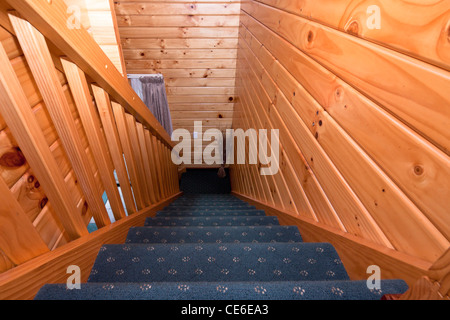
222	207
208	196
267	234
304	290
205	201
183	198
217	262
219	199
204	207
211	221
210	208
210	212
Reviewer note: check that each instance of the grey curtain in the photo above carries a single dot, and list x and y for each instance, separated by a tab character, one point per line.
152	90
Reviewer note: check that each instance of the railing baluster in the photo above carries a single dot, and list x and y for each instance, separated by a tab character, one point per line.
112	137
146	162
41	64
80	91
156	156
137	154
20	119
152	162
124	135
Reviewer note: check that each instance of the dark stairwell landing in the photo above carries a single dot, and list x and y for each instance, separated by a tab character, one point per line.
210	245
205	181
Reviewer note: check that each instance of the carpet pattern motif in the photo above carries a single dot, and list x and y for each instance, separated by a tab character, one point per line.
217	247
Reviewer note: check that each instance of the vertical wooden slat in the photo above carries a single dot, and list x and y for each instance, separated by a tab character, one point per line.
19	240
41	64
173	170
146	162
124	135
156	154
80	91
169	173
20	119
137	154
112	137
152	164
163	167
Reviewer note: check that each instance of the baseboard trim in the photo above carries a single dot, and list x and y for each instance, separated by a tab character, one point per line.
357	254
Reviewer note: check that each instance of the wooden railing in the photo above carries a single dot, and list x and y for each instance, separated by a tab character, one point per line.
87	107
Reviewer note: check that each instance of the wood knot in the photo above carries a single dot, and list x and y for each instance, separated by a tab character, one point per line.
85	209
13	159
43	202
419	170
448	32
353	28
310	37
339	94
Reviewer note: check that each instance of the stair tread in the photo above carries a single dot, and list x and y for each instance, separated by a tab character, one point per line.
211	221
206	213
298	290
217	262
213	234
208	207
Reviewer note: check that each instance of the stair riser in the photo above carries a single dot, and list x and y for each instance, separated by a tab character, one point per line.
213	235
209	214
317	290
212	222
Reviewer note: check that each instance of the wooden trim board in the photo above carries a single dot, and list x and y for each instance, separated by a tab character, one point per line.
356	254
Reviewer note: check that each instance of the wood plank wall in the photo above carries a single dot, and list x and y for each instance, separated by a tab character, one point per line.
363	117
193	44
57	124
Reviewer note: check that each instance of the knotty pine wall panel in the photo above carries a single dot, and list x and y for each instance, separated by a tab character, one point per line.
362	131
194	46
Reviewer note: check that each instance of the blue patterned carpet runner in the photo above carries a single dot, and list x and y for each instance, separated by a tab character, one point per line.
217	247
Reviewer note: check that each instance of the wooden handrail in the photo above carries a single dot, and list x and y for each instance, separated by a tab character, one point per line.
50	18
